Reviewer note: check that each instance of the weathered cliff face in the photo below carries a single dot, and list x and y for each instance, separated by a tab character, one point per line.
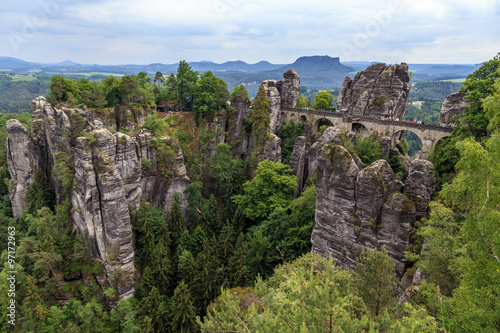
283	93
272	149
359	208
49	133
420	185
129	167
290	89
453	105
22	163
378	90
109	178
298	162
237	135
100	209
330	135
156	190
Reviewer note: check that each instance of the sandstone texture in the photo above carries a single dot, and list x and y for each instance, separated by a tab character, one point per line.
22	163
298	161
379	90
452	106
112	173
420	185
282	94
361	208
272	149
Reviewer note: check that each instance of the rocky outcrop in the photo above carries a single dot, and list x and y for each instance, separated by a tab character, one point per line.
379	90
290	89
282	94
330	135
357	208
298	161
452	106
394	231
237	135
22	163
272	149
100	209
112	173
129	167
157	190
420	185
50	134
335	206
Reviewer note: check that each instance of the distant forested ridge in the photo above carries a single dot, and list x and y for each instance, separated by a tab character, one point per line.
15	96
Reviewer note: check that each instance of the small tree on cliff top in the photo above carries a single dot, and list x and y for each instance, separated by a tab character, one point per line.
260	119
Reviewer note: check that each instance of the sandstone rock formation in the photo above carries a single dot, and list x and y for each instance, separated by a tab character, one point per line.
281	94
420	185
49	132
112	173
100	209
22	162
358	208
272	149
330	135
453	105
379	90
129	167
298	161
156	190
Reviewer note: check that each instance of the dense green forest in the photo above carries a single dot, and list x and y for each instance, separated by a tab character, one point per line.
15	96
242	262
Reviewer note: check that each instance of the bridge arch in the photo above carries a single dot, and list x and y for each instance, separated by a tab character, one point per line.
320	122
415	142
303	119
360	129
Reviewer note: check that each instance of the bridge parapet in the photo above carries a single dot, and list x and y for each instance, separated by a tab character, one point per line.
351	118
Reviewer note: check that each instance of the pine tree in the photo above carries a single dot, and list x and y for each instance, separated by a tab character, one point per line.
148	281
182	318
40	194
34	311
147	325
260	255
196	240
162	268
376	279
187	267
153	307
208	278
144	224
260	119
210	217
239	272
176	221
226	242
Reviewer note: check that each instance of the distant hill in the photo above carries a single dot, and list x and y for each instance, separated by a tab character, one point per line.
317	72
12	63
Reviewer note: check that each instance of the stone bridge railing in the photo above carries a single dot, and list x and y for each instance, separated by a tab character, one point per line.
355	118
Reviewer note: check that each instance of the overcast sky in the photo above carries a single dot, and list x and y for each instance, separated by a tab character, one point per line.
165	31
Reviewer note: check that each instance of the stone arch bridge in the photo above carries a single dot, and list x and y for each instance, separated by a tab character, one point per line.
429	134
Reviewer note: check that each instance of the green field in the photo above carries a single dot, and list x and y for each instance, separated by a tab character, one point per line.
23	78
85	74
461	80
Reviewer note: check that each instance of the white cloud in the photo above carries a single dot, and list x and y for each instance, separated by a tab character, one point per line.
134	31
